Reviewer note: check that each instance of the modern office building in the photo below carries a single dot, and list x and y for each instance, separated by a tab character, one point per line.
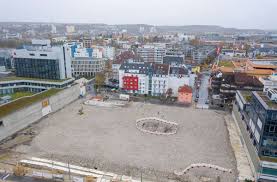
6	59
256	116
151	54
43	62
9	85
87	67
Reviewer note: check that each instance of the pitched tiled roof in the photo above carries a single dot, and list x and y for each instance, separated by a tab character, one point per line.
161	69
141	68
185	89
178	70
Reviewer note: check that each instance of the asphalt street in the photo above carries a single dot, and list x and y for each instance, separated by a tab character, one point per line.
203	92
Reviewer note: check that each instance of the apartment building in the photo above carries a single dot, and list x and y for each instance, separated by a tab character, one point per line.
135	77
152	79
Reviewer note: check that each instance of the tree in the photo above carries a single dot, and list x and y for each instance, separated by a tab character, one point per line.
99	79
169	92
108	68
195	42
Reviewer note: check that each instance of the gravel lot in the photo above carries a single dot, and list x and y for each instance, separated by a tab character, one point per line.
107	139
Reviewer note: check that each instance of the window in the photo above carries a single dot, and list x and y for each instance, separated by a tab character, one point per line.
1	124
272	129
43	55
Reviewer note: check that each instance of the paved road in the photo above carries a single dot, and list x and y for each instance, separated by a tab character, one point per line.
203	92
90	88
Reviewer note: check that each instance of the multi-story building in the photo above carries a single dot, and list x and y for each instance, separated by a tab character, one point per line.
87	67
151	54
173	59
269	82
202	53
70	29
179	76
6	58
53	29
108	52
87	42
256	115
9	85
44	62
153	79
134	77
160	79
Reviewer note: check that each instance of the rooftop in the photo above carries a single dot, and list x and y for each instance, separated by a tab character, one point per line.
271	104
247	95
228	64
141	68
185	89
25	101
14	78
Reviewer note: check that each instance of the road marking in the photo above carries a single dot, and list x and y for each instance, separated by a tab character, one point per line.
6	176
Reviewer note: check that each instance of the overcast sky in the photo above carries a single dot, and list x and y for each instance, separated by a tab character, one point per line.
228	13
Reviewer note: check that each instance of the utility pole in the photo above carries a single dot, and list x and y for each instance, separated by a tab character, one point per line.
140	175
69	174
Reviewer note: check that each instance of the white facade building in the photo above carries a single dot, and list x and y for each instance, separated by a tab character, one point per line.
70	29
269	82
97	53
153	79
109	52
53	29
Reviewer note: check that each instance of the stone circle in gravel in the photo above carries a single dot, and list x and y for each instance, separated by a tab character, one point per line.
156	126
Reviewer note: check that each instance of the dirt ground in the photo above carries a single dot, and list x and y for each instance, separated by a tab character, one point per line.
107	139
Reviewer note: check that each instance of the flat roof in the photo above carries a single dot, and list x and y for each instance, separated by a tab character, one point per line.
14	78
18	104
270	104
247	95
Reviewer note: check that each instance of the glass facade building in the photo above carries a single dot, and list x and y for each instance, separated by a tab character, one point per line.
256	116
37	68
264	119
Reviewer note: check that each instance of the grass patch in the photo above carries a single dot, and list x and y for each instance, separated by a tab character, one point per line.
24	102
228	64
268	159
18	95
13	78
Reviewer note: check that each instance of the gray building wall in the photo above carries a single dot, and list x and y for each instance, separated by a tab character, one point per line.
245	140
20	119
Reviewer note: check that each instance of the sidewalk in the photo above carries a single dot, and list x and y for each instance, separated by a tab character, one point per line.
243	166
